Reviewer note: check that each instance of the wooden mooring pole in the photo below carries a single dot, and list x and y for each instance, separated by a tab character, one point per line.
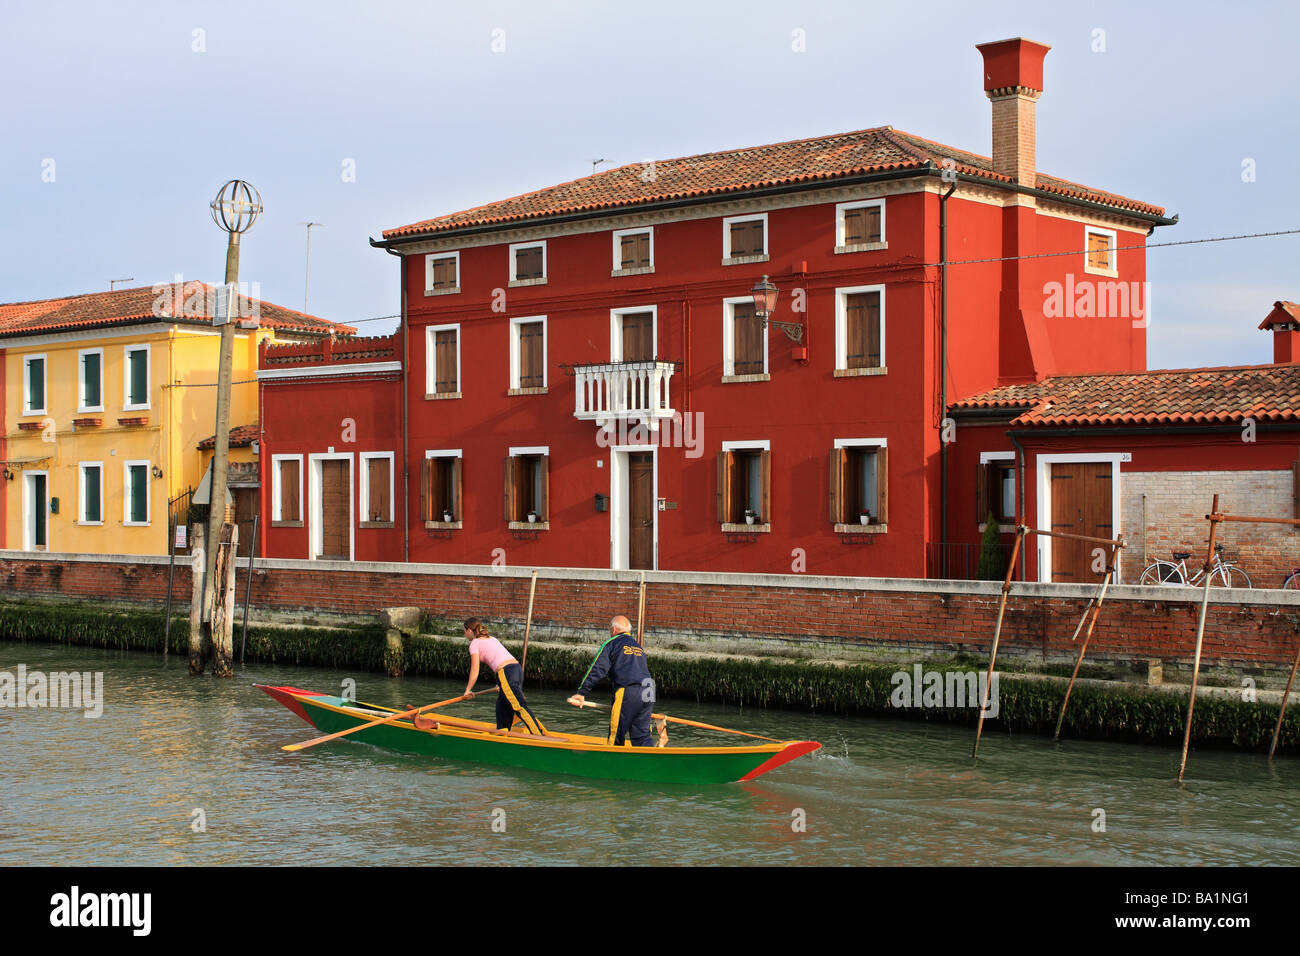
1095	607
223	611
997	634
528	624
640	612
198	559
248	588
1277	731
1200	632
171	576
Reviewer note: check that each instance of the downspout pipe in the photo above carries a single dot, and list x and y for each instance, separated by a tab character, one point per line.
406	468
943	362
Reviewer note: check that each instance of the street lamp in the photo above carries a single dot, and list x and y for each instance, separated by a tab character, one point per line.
234	209
765	294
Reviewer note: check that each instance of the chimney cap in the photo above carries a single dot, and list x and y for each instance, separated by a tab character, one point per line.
1013	63
1283	314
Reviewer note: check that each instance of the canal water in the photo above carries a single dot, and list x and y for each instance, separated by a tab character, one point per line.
125	788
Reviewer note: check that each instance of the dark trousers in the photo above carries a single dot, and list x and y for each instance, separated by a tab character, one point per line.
511	703
629	717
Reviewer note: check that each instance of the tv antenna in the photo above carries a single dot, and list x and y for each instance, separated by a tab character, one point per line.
307	274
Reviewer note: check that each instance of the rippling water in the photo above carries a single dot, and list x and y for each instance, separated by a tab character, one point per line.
121	789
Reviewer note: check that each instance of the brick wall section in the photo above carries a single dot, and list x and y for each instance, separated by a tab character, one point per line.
1177	503
822	617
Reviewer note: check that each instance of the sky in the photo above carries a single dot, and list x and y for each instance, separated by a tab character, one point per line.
119	122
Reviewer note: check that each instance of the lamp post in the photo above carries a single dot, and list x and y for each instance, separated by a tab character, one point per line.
765	294
235	208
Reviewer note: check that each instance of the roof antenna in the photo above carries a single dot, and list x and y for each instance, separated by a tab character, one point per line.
307	275
595	163
113	282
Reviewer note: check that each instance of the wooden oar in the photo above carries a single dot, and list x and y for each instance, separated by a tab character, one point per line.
687	723
294	748
457	722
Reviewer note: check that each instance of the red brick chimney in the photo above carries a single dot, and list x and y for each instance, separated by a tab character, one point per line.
1284	323
1013	80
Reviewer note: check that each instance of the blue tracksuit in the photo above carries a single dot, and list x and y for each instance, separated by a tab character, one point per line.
623	659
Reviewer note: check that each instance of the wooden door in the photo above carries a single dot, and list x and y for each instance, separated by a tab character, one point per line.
1081	504
638	337
335	498
246	504
641	511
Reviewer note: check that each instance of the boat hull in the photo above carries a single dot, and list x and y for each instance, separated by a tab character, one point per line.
573	754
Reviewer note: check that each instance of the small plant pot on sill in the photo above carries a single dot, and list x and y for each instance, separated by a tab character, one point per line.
750	517
532	517
446	516
865	518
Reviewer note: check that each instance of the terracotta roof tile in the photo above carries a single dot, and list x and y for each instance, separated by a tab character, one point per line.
241	436
124	306
731	171
1179	396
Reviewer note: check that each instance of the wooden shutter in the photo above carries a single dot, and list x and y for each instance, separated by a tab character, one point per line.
512	492
289	491
446	378
456	513
871	316
36	383
90	380
872	224
139	371
765	483
544	502
747	340
882	484
444	273
90	477
426	497
139	491
747	238
530	355
528	263
377	505
837	485
855	320
982	492
634	251
854	223
1098	251
725	461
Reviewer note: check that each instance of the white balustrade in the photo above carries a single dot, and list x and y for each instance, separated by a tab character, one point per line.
623	390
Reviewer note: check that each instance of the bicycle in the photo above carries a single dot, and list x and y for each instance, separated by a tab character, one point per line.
1292	583
1223	574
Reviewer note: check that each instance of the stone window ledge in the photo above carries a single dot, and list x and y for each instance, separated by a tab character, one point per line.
857	372
743	260
286	524
861	528
448	525
440	396
637	271
518	283
530	526
528	391
860	247
452	291
742	528
375	524
733	379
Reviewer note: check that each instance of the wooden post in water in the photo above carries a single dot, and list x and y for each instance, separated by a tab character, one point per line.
248	588
198	559
223	609
1095	607
997	634
1213	517
640	612
528	624
1277	731
171	575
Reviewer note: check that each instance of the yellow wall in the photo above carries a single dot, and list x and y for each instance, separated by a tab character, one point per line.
181	413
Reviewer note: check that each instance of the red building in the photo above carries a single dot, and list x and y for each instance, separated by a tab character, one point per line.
590	354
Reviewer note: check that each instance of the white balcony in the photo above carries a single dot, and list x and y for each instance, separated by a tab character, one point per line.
623	390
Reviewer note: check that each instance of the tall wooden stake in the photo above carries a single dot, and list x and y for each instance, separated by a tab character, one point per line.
1277	731
1200	633
528	624
223	611
248	588
640	612
198	559
171	575
997	634
1095	607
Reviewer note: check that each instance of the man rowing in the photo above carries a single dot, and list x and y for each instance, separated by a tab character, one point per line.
623	659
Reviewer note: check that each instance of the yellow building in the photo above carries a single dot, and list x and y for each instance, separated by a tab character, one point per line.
107	398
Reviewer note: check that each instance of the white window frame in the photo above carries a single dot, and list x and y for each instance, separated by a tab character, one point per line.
313	507
81	381
126	377
986	458
126	494
456	454
1110	234
515	247
29	506
840	208
431	358
514	349
728	336
81	491
848	527
617	266
275	487
366	457
45	387
726	237
428	273
616	329
620	501
842	325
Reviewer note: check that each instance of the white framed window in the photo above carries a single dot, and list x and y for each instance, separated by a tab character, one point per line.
860	225
860	330
859	485
995	489
744	340
90	380
1100	256
442	361
635	328
527	485
528	354
634	251
744	486
135	493
286	490
744	238
440	488
377	488
34	384
90	493
528	263
135	378
441	273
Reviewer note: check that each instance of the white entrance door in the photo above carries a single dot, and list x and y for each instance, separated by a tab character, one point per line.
36	511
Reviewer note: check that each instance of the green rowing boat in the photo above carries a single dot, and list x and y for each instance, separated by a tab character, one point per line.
455	738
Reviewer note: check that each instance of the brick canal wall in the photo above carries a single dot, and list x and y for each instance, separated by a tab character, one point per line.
780	615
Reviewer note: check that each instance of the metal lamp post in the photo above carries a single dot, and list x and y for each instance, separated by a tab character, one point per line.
765	294
235	209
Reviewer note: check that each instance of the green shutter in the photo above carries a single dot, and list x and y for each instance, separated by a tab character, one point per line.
36	384
90	380
91	483
139	371
139	493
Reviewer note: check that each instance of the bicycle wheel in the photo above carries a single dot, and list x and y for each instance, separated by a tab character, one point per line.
1292	583
1229	576
1161	573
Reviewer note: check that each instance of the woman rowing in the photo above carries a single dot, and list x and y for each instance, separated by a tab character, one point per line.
511	705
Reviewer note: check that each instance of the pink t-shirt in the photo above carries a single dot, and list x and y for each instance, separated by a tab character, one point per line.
491	652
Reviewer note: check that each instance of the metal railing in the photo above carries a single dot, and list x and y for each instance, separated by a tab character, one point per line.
956	561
